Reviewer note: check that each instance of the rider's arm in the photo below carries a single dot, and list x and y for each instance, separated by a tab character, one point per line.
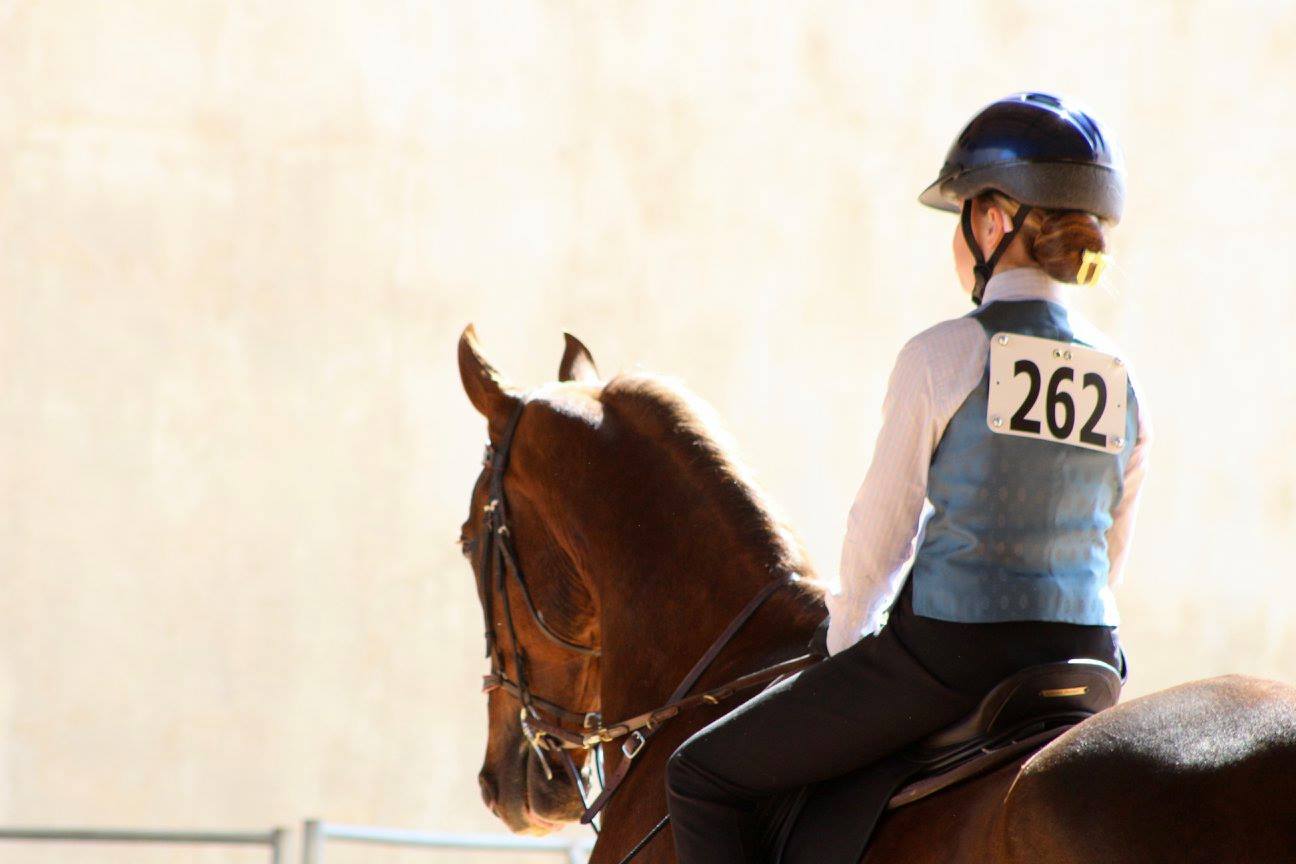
932	376
1122	529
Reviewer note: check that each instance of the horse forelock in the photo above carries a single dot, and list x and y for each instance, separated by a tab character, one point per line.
689	430
575	399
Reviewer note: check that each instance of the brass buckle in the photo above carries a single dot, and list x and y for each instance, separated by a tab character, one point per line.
593	729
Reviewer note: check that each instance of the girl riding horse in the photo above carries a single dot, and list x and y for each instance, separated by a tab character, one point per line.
997	513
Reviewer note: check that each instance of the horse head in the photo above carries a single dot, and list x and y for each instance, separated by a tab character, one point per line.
541	624
612	537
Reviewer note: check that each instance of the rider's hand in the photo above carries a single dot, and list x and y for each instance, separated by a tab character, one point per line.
819	641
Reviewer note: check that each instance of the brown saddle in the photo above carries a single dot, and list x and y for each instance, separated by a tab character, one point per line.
832	821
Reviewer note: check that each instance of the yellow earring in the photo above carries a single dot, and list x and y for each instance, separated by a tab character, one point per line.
1092	265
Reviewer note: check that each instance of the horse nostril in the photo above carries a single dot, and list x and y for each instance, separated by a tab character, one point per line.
488	792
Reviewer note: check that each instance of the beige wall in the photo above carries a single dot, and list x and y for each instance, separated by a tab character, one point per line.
238	241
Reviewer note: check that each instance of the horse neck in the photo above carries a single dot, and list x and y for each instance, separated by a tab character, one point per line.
670	574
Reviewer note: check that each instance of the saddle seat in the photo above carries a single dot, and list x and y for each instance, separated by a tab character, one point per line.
1081	687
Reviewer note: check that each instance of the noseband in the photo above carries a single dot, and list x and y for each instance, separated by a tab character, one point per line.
552	735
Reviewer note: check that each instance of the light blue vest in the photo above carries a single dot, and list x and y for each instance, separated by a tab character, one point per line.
1020	524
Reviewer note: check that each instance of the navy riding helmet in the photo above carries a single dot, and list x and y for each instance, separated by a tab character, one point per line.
1038	150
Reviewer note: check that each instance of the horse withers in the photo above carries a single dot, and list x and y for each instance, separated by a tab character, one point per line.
617	536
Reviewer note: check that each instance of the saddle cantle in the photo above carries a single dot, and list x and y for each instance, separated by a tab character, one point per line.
832	821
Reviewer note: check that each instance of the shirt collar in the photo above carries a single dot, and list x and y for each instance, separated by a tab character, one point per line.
1024	283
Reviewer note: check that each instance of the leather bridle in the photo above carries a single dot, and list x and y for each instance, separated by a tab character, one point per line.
556	733
499	560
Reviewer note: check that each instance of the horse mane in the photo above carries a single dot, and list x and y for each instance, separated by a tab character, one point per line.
690	432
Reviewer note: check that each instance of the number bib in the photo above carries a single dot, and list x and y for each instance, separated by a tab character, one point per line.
1056	391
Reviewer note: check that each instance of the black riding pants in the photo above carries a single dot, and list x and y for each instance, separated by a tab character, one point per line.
914	677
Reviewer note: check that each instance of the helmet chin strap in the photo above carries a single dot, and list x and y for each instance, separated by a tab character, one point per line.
983	269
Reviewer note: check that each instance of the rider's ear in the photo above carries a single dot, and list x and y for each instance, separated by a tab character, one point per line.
486	388
577	362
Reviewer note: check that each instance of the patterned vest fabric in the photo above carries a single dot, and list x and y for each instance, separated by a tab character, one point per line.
1019	526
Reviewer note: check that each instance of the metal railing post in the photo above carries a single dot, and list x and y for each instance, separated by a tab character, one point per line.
312	842
278	845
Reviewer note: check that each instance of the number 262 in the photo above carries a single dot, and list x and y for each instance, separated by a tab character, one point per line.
1055	400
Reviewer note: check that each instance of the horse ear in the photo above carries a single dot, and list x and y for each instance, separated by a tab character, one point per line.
577	362
486	388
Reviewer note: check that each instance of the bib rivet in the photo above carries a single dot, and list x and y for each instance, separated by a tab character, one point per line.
1118	442
996	421
1057	353
1066	355
1116	361
1003	339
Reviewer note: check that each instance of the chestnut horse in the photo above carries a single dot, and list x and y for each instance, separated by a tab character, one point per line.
641	538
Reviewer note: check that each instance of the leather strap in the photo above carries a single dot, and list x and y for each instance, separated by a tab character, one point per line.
637	739
983	269
606	734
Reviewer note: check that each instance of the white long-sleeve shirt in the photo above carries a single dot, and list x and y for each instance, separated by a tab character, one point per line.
933	375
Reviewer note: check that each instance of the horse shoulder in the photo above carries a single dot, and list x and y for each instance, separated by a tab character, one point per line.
1205	771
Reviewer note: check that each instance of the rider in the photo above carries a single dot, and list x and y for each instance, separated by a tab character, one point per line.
1003	485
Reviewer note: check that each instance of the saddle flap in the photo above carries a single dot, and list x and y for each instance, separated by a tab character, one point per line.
831	822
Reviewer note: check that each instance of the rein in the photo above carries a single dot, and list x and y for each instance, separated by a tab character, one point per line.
500	560
588	738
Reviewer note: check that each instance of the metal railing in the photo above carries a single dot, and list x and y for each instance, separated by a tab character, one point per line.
275	839
315	833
